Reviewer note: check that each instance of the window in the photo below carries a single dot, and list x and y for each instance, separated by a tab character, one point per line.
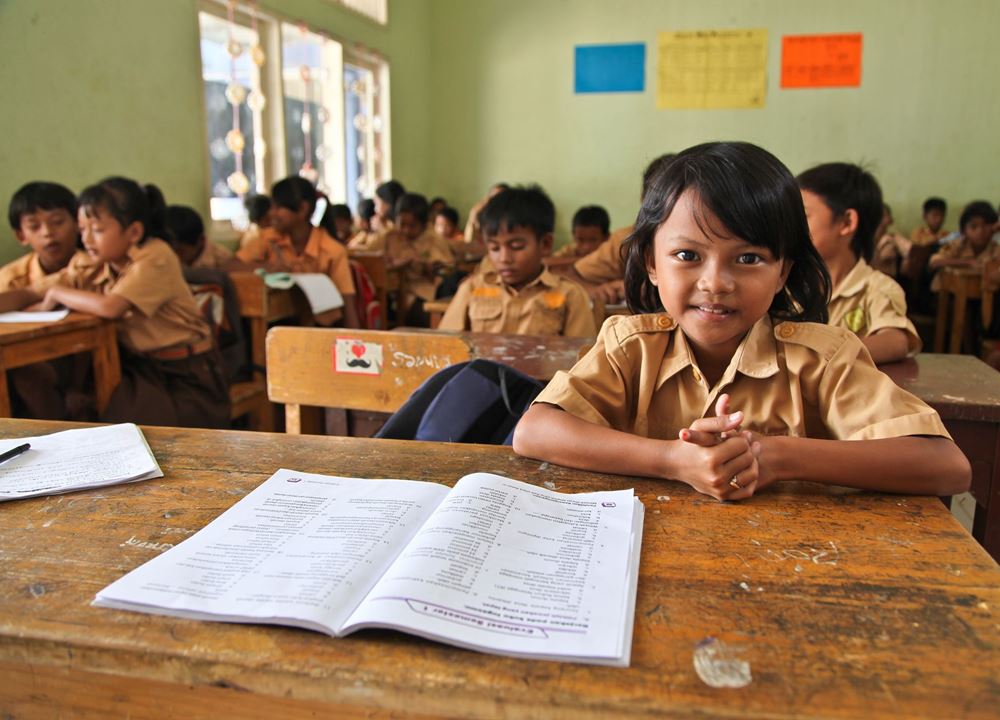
374	9
366	130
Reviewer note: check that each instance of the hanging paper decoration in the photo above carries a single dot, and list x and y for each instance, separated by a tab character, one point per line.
235	94
256	100
322	115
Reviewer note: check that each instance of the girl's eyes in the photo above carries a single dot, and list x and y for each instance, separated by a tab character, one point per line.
686	255
749	259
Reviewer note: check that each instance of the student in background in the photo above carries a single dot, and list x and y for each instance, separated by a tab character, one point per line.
737	294
446	225
259	211
517	295
386	196
187	238
292	244
473	235
337	221
843	205
931	231
171	372
591	228
435	206
975	247
422	255
892	250
365	236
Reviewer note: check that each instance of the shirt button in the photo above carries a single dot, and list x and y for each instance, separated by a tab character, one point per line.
665	321
786	330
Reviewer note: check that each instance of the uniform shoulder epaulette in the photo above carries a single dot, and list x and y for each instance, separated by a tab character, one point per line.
823	339
625	326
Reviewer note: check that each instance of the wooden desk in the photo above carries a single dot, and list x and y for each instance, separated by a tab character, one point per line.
26	343
957	285
844	604
966	393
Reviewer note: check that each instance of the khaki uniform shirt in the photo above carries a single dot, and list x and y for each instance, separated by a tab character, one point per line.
212	256
429	247
163	312
605	263
923	235
548	305
568	250
962	249
795	379
27	271
867	300
367	240
322	254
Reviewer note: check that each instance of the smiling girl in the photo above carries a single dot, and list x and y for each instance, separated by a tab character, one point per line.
726	379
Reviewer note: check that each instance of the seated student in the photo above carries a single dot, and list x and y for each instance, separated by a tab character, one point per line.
365	235
171	374
473	235
446	225
259	211
737	296
338	223
187	238
892	250
422	255
931	231
386	196
591	228
518	296
601	271
43	217
292	244
975	247
843	205
435	206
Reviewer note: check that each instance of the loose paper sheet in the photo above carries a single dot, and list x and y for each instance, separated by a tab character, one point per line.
33	317
814	61
711	69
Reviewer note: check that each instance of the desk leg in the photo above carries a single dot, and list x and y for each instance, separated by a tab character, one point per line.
958	322
4	392
941	323
107	365
986	522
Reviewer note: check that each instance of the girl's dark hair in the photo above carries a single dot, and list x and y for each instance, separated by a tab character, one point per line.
389	192
257	206
755	198
128	202
977	209
366	209
845	186
292	191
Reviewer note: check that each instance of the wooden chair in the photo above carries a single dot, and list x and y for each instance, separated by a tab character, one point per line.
436	309
303	367
956	287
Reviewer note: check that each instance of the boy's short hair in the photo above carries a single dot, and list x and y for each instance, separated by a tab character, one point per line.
519	206
592	216
935	203
40	196
653	169
257	206
845	186
451	214
366	209
977	209
185	224
413	203
292	192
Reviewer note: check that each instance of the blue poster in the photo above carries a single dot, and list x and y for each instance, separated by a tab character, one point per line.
610	68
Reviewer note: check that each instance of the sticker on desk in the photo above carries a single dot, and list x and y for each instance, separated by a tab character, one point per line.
358	357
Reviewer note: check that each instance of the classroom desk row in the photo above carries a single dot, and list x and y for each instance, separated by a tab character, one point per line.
808	601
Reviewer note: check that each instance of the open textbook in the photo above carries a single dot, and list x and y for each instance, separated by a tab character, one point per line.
493	564
321	294
75	460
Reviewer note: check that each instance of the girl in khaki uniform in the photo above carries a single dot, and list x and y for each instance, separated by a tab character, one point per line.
738	384
171	374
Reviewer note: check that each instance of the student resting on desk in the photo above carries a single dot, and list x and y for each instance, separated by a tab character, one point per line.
892	250
258	209
423	256
292	244
338	222
171	371
843	205
591	228
601	271
365	235
43	217
975	247
733	381
517	295
386	196
931	231
187	238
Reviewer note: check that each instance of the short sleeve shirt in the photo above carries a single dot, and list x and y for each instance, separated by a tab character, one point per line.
793	379
962	250
605	263
212	256
549	305
27	272
867	301
429	247
322	254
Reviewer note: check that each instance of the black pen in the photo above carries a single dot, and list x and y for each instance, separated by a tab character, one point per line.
14	452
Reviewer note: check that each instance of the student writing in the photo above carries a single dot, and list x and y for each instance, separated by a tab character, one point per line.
732	296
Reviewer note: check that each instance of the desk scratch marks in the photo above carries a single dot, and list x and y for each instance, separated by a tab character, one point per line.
828	554
133	541
719	665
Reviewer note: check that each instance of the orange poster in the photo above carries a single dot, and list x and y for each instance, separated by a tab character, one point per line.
812	61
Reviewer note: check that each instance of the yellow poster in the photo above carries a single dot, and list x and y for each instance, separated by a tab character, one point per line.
708	69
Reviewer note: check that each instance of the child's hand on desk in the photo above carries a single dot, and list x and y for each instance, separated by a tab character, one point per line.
727	454
49	302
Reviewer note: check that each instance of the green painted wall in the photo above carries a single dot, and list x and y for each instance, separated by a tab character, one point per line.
924	119
99	87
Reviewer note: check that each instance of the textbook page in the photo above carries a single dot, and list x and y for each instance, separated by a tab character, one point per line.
300	549
319	290
77	459
33	317
508	567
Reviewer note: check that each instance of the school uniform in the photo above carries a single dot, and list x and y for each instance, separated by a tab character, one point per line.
792	379
605	263
866	301
27	272
548	305
322	254
429	247
963	250
367	241
923	235
171	370
213	257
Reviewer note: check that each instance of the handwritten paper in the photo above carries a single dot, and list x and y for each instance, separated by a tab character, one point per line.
33	317
712	69
817	61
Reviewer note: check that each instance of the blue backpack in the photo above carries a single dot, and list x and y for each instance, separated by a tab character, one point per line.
479	401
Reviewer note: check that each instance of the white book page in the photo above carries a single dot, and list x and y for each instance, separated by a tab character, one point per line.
319	290
76	459
300	549
510	567
32	316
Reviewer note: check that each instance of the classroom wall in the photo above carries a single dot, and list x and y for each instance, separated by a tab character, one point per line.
924	118
95	87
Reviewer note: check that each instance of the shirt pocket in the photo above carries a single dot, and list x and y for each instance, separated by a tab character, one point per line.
545	320
485	312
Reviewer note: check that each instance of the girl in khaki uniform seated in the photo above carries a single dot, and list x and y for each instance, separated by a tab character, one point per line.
731	381
171	373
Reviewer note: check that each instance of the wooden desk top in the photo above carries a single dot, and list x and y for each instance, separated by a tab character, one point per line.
17	332
844	604
959	387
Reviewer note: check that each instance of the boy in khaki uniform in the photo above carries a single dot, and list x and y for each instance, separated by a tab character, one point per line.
843	205
591	228
516	295
419	253
931	231
975	248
